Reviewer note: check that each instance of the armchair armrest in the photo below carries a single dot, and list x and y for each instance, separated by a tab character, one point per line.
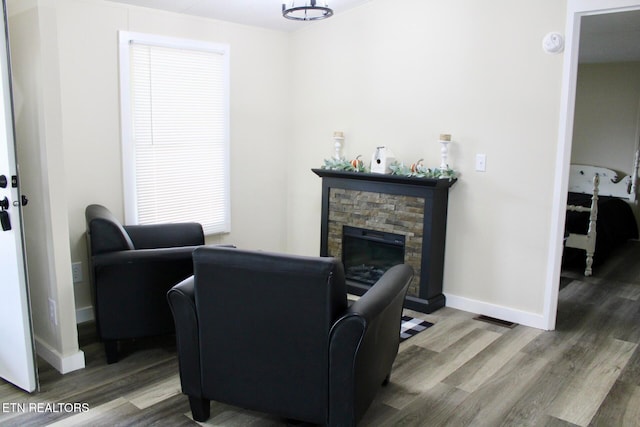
136	282
364	344
183	306
139	256
390	288
165	235
346	336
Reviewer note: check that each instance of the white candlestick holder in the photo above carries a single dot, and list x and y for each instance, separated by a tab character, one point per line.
338	138
444	140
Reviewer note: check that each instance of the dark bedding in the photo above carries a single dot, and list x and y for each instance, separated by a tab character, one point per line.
616	224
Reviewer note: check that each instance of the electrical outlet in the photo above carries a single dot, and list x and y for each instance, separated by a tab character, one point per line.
76	272
53	312
481	162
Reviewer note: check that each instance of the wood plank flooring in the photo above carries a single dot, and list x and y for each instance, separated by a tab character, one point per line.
460	372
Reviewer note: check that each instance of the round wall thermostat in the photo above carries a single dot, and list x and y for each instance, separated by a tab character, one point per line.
553	43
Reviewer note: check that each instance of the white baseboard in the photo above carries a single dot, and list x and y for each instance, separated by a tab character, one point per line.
499	312
84	314
64	364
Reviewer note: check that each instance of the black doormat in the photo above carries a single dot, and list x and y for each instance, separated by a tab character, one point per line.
411	326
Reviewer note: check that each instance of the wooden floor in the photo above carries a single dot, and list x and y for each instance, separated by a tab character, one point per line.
460	372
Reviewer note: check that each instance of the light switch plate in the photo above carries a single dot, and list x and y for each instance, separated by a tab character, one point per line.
481	162
76	272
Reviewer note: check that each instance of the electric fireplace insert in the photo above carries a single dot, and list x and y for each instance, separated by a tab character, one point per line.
367	254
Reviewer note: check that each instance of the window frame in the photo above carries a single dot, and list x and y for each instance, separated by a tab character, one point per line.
125	38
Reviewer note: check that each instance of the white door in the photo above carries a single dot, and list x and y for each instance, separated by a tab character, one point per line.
17	361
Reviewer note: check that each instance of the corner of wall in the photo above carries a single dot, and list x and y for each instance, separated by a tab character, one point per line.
42	175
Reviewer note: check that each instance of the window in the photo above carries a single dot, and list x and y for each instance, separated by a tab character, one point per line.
175	131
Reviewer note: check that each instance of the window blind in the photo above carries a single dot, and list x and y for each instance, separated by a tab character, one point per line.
179	135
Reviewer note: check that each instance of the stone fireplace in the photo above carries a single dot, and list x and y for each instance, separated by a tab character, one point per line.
385	220
378	212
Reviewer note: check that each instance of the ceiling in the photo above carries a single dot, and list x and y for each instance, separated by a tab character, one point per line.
610	37
260	13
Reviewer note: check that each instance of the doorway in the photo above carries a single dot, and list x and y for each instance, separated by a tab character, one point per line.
576	10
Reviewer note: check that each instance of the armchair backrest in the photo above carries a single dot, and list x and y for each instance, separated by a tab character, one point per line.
264	328
105	233
165	235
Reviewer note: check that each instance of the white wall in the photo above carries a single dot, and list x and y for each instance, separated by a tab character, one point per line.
606	115
472	69
66	69
89	82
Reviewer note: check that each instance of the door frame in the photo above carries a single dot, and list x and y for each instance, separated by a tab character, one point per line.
576	9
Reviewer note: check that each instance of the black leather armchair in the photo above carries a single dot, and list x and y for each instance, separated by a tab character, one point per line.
273	333
131	270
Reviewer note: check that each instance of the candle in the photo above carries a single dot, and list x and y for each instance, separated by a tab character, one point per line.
338	134
445	137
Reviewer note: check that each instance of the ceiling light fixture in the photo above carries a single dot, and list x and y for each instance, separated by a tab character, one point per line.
306	11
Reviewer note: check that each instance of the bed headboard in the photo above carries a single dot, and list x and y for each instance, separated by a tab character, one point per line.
612	183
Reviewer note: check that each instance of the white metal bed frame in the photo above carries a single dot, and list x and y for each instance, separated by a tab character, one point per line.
597	181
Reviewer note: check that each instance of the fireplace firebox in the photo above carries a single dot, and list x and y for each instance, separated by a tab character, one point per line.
367	254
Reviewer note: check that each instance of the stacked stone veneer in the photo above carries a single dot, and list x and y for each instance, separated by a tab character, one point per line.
390	213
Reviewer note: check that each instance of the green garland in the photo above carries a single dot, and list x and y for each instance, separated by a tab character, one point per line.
343	164
418	170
